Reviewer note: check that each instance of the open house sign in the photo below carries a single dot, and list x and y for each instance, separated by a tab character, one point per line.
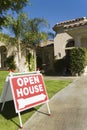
28	91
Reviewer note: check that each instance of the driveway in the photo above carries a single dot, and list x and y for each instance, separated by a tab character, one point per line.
68	109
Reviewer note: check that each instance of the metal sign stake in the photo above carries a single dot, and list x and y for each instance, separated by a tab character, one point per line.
21	126
48	108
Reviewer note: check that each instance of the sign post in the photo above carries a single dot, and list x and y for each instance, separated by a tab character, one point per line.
28	90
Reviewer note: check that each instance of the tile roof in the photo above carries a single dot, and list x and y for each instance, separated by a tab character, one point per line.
72	23
75	25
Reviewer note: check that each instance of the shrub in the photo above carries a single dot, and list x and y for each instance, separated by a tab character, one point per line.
77	60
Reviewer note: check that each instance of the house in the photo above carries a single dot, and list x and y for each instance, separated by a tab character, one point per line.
44	52
6	51
69	34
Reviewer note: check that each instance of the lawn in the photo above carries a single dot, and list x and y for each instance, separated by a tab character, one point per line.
9	119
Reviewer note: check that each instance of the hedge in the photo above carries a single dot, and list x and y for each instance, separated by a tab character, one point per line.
73	63
77	60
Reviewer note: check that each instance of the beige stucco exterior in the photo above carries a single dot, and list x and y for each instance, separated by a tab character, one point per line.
45	52
60	42
75	29
5	52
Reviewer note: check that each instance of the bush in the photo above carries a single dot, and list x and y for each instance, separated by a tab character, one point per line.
77	60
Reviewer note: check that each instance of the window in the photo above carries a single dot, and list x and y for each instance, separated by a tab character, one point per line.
70	43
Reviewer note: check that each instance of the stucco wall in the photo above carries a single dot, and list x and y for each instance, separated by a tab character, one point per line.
23	66
60	42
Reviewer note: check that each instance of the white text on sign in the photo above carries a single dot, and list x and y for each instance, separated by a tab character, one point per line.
27	80
28	85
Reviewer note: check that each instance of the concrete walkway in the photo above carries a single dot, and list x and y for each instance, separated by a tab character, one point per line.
68	110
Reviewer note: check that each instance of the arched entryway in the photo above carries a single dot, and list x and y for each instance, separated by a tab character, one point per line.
70	45
3	55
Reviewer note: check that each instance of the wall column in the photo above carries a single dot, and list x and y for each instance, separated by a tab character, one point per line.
77	41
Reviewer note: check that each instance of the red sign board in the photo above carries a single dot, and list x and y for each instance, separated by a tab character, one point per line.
28	91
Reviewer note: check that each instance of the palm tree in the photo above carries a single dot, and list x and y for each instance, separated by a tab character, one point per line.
35	34
28	33
18	27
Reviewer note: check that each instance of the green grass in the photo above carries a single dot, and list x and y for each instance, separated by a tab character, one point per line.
9	119
53	86
3	75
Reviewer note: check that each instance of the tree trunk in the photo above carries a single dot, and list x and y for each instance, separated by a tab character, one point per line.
35	60
19	57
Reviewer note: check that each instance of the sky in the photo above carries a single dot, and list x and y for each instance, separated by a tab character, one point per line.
55	11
